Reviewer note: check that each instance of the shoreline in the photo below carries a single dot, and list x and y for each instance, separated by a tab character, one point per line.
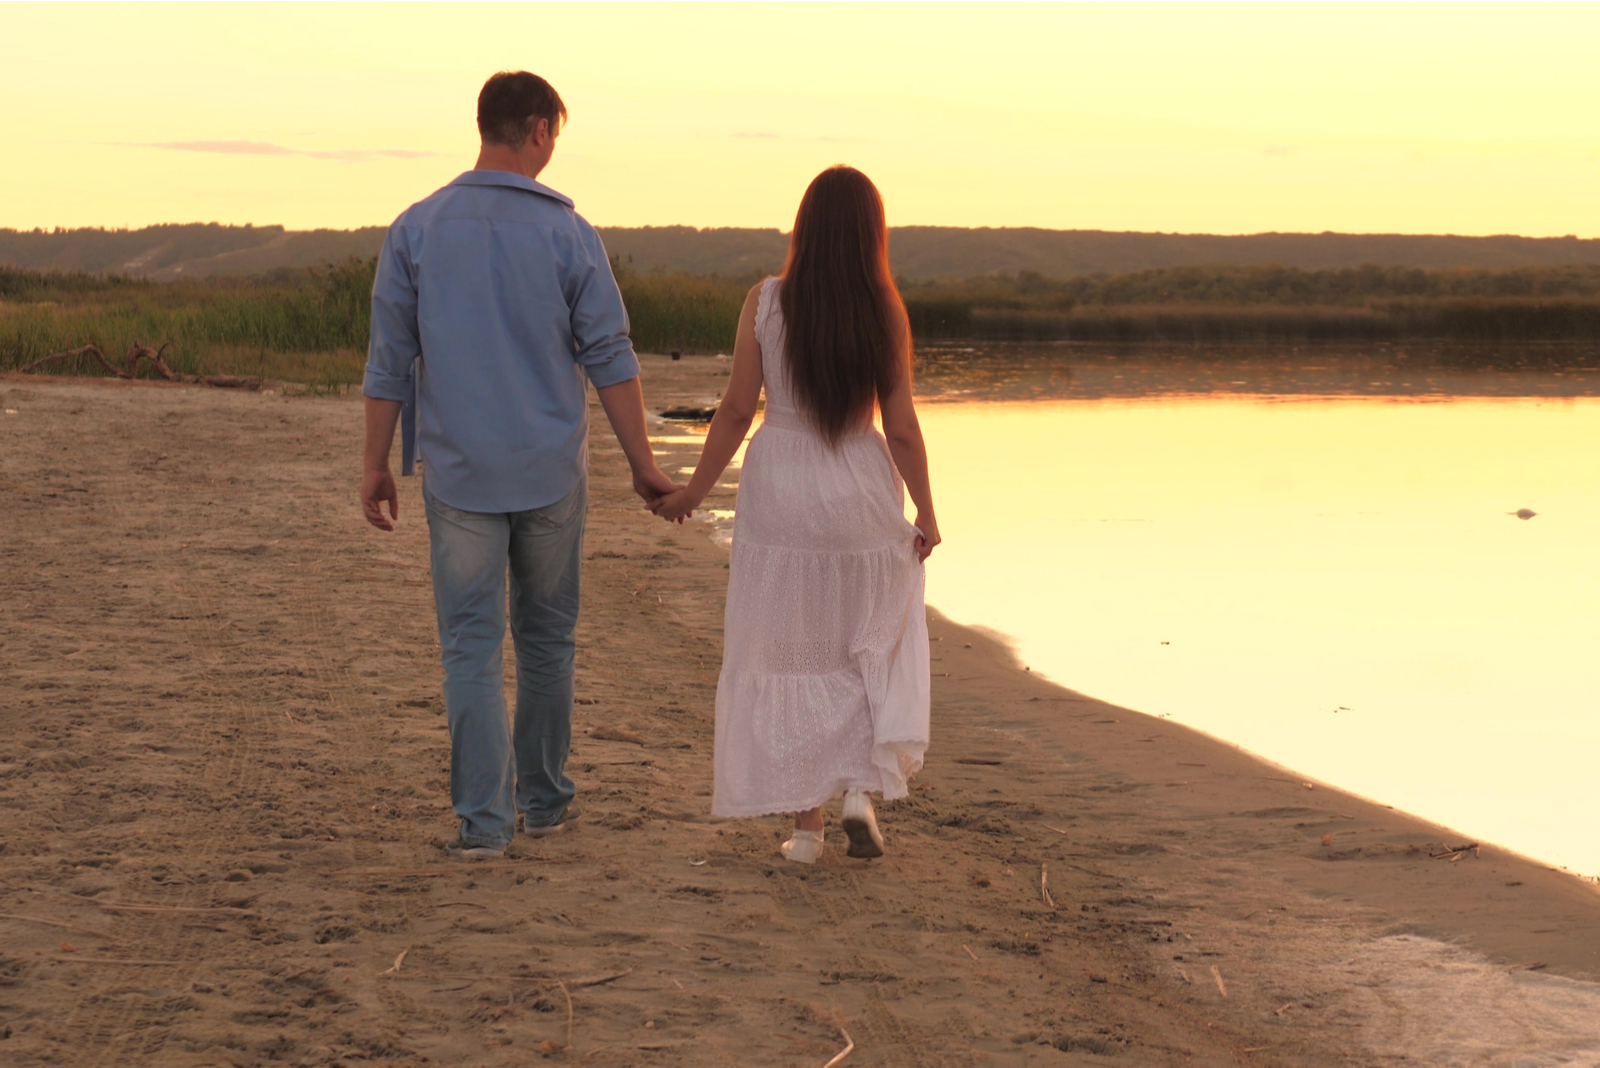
226	713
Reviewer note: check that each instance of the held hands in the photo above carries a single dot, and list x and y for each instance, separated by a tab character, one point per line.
652	485
676	507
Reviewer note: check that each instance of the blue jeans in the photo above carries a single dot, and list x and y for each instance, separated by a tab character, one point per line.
496	769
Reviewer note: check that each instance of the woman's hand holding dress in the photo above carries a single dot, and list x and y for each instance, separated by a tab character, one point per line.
927	535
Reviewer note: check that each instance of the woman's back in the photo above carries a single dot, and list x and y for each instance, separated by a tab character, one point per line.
806	492
781	403
824	686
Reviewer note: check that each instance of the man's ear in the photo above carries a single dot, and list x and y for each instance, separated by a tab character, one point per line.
541	132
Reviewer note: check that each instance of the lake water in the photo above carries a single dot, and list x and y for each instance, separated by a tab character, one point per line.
1308	552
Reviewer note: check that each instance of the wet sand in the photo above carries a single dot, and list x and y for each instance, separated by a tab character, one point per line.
224	769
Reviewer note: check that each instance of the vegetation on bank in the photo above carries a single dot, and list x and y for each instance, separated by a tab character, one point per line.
302	326
311	325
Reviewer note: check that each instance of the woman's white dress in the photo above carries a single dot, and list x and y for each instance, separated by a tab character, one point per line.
824	683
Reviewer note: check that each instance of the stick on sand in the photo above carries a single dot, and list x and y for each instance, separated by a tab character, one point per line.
117	906
568	995
849	1046
51	923
597	980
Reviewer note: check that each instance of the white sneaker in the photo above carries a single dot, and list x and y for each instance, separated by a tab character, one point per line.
803	847
861	824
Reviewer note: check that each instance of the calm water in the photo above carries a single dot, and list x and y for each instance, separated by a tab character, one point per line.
1309	555
1305	552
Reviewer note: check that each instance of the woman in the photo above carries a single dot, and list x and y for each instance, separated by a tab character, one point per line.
824	684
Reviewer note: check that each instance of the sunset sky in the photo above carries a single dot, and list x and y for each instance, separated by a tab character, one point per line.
1469	119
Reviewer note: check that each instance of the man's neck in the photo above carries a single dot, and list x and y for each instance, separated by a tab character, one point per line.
505	158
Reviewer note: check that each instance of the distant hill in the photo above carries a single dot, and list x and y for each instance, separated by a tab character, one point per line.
185	250
198	250
940	252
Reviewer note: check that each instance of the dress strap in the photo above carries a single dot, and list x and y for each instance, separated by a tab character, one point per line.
764	303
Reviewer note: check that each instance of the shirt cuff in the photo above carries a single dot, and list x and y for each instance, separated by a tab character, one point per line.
381	385
619	367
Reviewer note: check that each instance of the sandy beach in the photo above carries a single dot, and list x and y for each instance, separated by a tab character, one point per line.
223	778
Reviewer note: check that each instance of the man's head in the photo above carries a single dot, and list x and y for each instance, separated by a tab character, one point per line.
521	114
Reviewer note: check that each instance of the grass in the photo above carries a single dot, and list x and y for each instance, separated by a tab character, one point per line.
1262	285
688	313
1266	304
311	326
1463	320
294	326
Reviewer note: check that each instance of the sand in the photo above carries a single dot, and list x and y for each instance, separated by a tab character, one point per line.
223	788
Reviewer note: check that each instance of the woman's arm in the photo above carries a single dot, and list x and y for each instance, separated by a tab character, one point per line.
729	425
904	435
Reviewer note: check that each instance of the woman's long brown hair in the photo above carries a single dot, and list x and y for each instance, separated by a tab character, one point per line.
848	341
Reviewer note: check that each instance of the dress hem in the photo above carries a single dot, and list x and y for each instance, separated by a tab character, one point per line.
748	811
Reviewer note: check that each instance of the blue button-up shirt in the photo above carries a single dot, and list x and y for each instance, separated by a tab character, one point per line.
493	301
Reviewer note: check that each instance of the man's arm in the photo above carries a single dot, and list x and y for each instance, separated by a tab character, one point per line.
377	482
732	421
624	405
391	352
604	351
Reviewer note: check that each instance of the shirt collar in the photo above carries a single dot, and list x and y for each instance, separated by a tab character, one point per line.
511	180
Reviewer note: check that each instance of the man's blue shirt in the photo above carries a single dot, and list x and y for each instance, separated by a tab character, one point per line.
501	298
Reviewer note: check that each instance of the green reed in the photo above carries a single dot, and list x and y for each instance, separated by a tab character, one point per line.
228	326
311	326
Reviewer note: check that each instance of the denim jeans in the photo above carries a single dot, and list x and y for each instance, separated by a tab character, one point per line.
496	769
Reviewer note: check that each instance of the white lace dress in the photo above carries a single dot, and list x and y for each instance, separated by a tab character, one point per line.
824	683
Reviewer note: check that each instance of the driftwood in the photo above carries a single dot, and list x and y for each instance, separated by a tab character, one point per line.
136	352
139	351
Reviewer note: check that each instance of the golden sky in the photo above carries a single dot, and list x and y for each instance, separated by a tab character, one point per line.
1428	118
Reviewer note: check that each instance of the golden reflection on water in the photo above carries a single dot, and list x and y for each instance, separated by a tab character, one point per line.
1333	583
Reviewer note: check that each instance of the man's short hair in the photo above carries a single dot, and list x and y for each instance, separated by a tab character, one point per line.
512	102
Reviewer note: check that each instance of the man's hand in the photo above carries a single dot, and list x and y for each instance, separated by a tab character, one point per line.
377	487
377	484
624	405
652	484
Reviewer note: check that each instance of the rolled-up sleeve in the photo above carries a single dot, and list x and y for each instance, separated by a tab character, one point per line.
393	343
599	321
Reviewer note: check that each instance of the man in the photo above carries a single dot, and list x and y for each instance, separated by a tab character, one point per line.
493	301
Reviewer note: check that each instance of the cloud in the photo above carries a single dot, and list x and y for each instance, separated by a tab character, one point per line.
235	148
267	148
1281	150
767	135
362	154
